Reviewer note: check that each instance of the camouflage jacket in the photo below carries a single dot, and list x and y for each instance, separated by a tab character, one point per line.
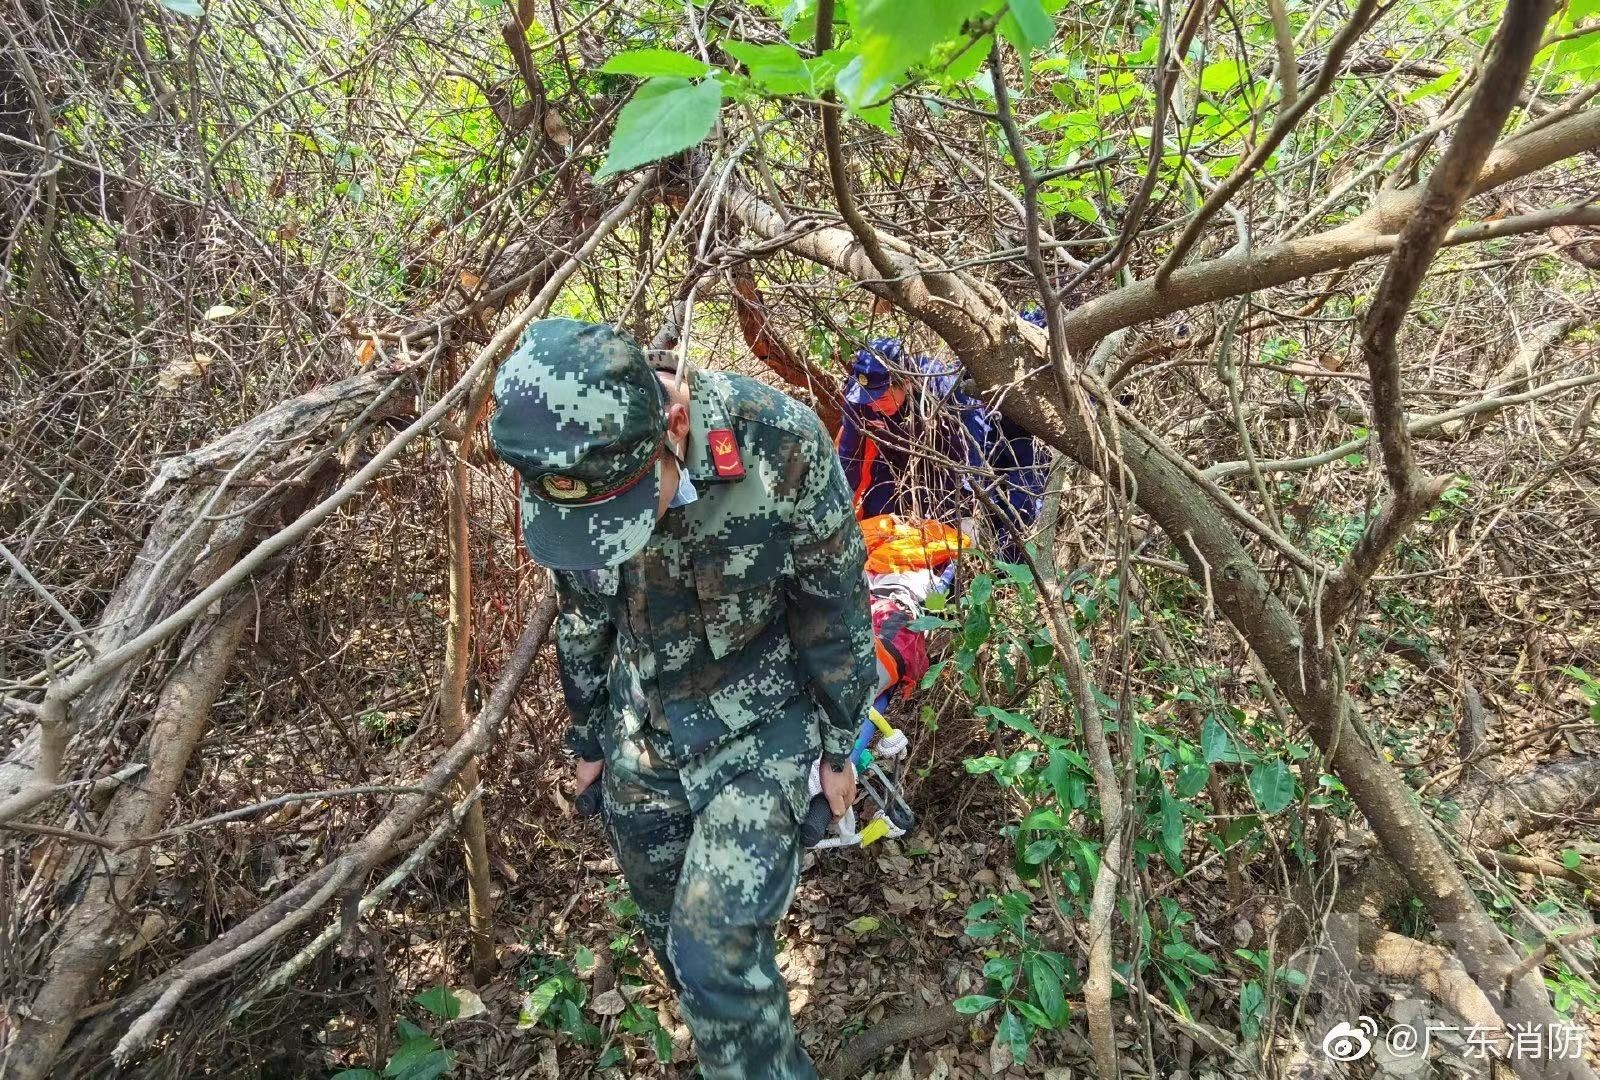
742	630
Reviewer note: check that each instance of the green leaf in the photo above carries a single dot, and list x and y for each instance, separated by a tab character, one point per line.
418	1059
665	116
1434	86
440	1002
1171	831
1214	740
864	925
1047	989
651	62
1032	1014
1571	859
354	1074
185	7
1272	785
1239	828
537	1003
1043	818
974	1003
1192	780
1015	1032
1252	1001
409	1031
1036	25
1040	850
895	36
1222	76
780	69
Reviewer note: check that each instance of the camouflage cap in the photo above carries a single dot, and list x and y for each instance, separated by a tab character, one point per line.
581	418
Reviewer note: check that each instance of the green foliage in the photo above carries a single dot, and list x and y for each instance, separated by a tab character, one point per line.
651	62
1028	982
1273	785
440	1002
1588	687
666	115
417	1055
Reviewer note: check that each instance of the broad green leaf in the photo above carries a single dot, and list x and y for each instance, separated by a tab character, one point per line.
1222	76
665	116
1036	27
413	1055
1040	850
974	1003
1043	818
1032	1014
1016	1033
1192	780
536	1003
1171	831
967	63
1273	785
651	62
895	36
864	925
1252	1000
185	7
354	1074
1434	86
440	1002
779	68
1571	859
1214	741
409	1031
1239	828
1047	989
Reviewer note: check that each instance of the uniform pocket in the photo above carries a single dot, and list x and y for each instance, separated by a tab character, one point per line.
758	691
740	591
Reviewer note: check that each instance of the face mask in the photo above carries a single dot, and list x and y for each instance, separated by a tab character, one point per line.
686	492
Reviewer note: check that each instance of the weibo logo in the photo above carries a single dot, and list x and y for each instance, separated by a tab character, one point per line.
1347	1042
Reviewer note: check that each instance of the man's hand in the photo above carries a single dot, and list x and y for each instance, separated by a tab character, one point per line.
838	787
586	772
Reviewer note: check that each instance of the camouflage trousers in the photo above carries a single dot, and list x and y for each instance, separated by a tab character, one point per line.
710	887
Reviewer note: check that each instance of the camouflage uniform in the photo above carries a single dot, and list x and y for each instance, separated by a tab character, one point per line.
709	670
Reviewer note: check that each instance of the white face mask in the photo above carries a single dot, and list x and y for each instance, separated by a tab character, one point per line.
686	492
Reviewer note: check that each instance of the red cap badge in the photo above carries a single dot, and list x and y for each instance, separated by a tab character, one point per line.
725	454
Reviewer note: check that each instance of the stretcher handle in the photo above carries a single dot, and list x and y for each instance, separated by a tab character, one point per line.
818	817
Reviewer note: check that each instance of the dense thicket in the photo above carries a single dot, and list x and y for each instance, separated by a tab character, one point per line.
1289	715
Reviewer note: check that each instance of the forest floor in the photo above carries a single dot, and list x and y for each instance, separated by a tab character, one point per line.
872	933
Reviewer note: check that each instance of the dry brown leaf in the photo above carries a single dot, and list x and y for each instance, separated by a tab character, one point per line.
364	357
183	370
609	1003
556	128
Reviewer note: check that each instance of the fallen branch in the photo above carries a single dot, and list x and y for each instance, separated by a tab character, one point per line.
862	1050
294	907
286	971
